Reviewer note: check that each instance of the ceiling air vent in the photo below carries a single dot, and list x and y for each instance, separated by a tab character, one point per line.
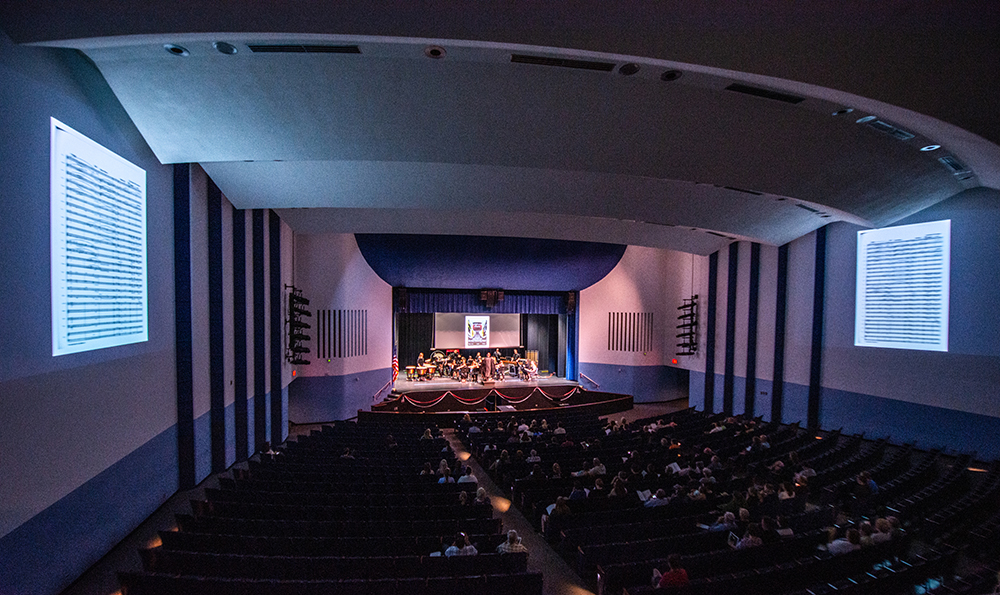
294	48
810	209
765	93
954	165
743	190
562	62
890	130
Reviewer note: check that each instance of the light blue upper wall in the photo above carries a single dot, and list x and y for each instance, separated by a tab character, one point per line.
78	429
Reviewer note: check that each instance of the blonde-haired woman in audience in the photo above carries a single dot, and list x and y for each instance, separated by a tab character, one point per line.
883	531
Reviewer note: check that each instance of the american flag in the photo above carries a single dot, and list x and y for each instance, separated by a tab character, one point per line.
395	364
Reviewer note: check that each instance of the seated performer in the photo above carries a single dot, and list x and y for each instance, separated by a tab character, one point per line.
516	356
529	369
420	359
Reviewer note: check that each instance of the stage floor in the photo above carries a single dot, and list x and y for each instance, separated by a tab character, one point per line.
405	386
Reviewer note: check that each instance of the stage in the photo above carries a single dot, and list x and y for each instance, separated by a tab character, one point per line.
444	395
438	384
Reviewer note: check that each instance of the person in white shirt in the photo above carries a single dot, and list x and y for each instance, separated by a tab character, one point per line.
468	477
512	545
461	547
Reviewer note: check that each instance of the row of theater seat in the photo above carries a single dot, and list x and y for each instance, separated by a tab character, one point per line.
306	521
526	583
260	567
294	545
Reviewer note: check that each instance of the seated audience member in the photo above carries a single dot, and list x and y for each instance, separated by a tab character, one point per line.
427	470
726	522
598	491
556	471
468	477
866	531
461	547
896	526
769	530
481	497
578	492
675	576
427	435
750	539
463	498
618	488
553	521
781	524
883	531
658	499
512	545
536	473
533	457
845	544
347	454
446	477
559	428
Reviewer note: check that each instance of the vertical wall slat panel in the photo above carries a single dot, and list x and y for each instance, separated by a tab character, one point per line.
816	357
728	379
240	333
750	395
259	338
216	332
182	326
277	327
780	308
713	284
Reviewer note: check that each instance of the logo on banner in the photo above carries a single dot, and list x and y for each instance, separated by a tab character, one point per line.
477	331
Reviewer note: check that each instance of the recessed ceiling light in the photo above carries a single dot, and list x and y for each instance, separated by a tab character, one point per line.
434	51
865	119
225	48
930	148
176	49
843	111
671	75
628	69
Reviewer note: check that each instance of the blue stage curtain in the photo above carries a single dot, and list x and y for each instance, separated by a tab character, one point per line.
426	301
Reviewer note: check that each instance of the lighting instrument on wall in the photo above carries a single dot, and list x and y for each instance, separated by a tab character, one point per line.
687	330
297	328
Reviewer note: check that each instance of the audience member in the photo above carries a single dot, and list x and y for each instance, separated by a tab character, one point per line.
675	576
461	547
512	545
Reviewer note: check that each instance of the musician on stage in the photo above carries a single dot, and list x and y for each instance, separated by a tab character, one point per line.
529	370
420	359
515	357
488	367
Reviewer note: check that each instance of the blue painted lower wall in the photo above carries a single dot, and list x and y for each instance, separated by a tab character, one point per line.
53	548
251	439
230	434
876	417
314	399
903	422
795	404
202	447
696	390
647	384
762	402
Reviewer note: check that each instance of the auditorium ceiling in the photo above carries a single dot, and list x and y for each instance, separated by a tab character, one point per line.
675	125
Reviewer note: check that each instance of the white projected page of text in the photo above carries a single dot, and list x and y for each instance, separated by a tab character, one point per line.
98	227
903	287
